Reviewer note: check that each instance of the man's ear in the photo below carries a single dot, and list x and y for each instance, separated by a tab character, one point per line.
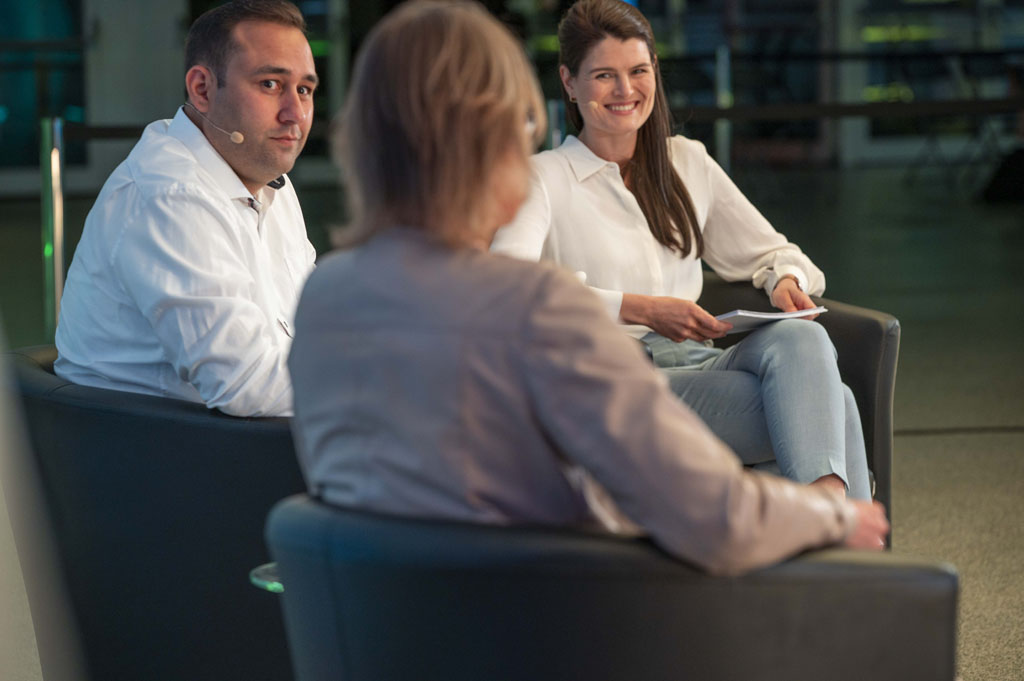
199	83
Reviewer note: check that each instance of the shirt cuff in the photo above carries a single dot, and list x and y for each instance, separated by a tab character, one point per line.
769	278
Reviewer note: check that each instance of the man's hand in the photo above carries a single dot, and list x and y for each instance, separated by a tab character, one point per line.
788	297
673	318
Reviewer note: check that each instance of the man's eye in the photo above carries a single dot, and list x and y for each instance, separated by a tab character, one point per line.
305	90
269	84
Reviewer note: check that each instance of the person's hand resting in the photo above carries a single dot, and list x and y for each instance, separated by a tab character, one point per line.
673	318
788	297
871	527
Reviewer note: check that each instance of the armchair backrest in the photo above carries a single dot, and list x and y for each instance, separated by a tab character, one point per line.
157	509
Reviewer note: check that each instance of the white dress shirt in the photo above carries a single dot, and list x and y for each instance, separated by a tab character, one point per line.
184	284
581	215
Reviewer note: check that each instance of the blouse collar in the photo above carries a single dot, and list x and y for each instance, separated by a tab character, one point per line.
582	160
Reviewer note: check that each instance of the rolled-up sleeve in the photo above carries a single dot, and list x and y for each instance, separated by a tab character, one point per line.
611	413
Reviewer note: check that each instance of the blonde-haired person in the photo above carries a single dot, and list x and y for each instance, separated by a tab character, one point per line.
637	209
435	379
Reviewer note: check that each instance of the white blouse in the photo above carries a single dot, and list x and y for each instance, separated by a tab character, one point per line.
580	214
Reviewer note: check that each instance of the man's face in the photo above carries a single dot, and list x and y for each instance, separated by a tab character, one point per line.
267	95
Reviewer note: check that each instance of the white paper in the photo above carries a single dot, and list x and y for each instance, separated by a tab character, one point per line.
745	320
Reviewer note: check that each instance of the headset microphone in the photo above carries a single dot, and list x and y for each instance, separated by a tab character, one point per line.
235	136
594	106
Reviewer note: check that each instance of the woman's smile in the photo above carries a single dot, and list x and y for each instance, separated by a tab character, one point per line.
615	87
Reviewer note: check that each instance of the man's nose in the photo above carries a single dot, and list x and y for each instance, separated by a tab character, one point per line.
294	109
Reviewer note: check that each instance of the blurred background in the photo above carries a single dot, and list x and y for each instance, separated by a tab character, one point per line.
883	136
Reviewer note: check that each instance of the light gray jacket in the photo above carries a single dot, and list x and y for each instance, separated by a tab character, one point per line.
465	385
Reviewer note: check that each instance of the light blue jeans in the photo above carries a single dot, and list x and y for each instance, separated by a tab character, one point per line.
776	398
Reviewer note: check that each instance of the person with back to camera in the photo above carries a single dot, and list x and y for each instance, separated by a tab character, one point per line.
634	209
191	262
435	379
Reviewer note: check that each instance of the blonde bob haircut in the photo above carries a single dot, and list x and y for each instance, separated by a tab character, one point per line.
441	94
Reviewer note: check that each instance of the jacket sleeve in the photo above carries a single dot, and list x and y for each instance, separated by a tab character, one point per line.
610	412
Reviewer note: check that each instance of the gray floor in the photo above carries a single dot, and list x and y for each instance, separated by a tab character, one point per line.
952	271
948	267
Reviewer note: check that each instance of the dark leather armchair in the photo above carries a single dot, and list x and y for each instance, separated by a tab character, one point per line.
157	508
370	597
867	342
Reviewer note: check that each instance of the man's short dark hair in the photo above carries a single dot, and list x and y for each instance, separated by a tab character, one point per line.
209	40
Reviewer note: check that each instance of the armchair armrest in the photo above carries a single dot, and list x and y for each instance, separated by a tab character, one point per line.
386	597
867	343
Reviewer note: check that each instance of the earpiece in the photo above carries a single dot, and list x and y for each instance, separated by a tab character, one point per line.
234	136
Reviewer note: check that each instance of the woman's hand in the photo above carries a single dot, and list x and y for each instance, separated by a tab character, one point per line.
788	297
871	528
673	318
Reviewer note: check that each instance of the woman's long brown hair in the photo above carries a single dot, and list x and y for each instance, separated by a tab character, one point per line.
658	188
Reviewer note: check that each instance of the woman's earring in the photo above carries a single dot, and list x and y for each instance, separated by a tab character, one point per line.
572	98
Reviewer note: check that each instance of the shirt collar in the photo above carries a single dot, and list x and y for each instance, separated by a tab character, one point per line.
184	130
582	160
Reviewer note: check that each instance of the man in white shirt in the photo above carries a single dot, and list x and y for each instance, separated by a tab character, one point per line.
190	265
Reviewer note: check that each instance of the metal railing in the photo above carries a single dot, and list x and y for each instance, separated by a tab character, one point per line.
52	166
53	132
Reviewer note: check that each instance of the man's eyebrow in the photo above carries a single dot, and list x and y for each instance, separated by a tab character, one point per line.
282	71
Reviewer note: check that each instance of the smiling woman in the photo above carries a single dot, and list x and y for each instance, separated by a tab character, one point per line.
616	80
646	208
608	62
